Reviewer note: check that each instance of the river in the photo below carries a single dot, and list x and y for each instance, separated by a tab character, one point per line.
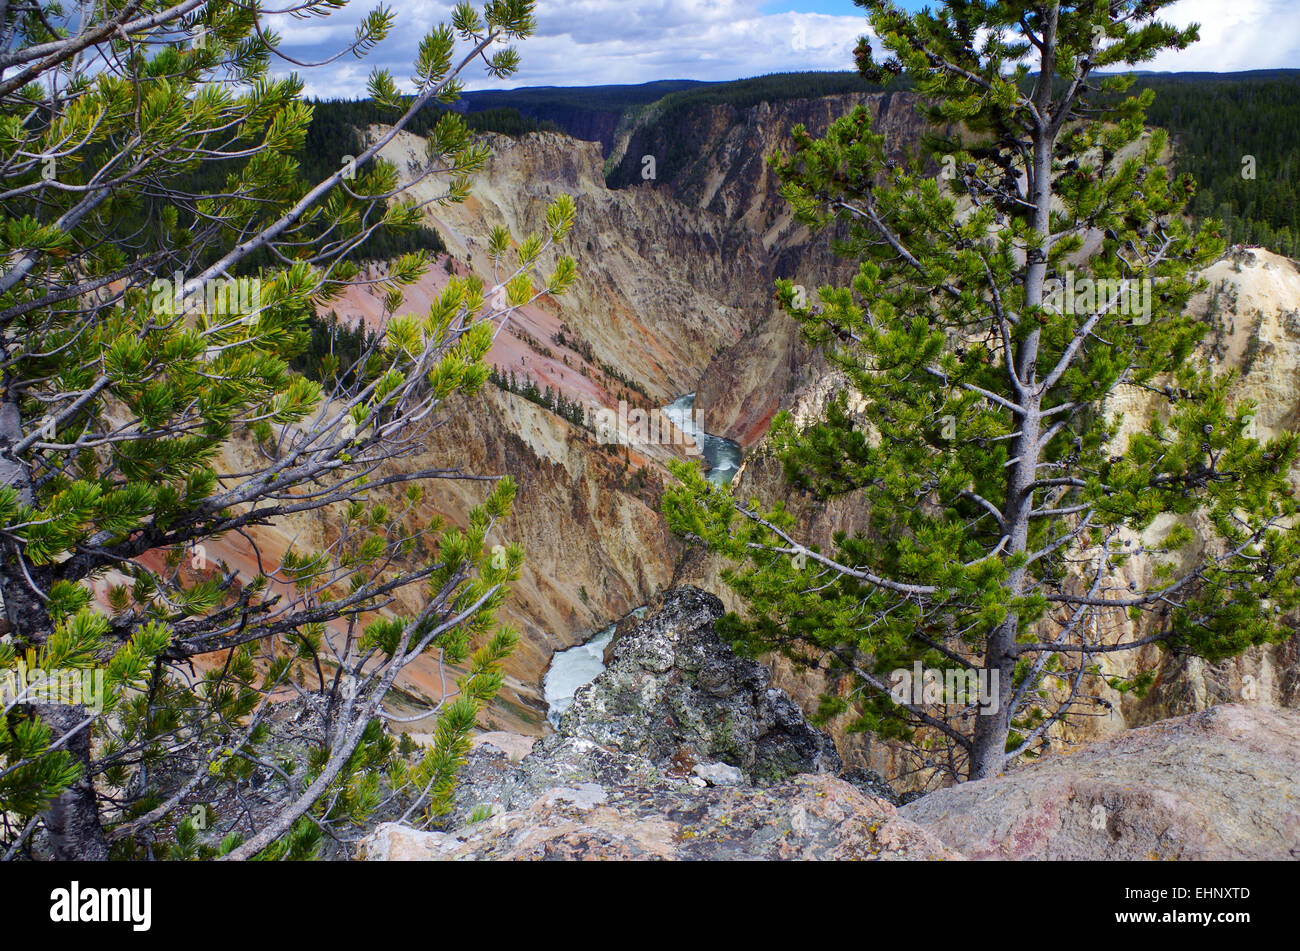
722	455
574	668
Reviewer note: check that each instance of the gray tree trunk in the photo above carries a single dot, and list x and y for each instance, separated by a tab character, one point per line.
989	740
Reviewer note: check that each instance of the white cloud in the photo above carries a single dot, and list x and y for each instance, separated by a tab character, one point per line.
582	42
1235	35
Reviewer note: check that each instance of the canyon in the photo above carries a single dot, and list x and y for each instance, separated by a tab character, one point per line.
674	296
674	288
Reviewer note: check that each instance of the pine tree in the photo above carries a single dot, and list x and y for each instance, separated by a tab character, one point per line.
161	262
992	320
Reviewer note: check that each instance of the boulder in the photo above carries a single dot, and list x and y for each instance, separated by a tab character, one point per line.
1220	784
676	695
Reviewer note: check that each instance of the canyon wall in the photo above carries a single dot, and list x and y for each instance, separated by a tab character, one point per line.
716	160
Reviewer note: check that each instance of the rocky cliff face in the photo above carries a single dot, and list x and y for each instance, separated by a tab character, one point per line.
715	159
676	695
675	709
596	542
661	287
675	706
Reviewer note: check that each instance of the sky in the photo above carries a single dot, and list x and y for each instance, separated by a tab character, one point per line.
587	42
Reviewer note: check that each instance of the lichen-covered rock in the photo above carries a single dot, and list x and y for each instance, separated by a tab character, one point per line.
808	817
676	708
489	780
1220	784
676	695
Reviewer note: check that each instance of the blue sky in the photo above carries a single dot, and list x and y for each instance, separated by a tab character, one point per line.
583	42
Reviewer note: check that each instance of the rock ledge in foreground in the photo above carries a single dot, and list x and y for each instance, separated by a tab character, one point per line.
1220	784
808	817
